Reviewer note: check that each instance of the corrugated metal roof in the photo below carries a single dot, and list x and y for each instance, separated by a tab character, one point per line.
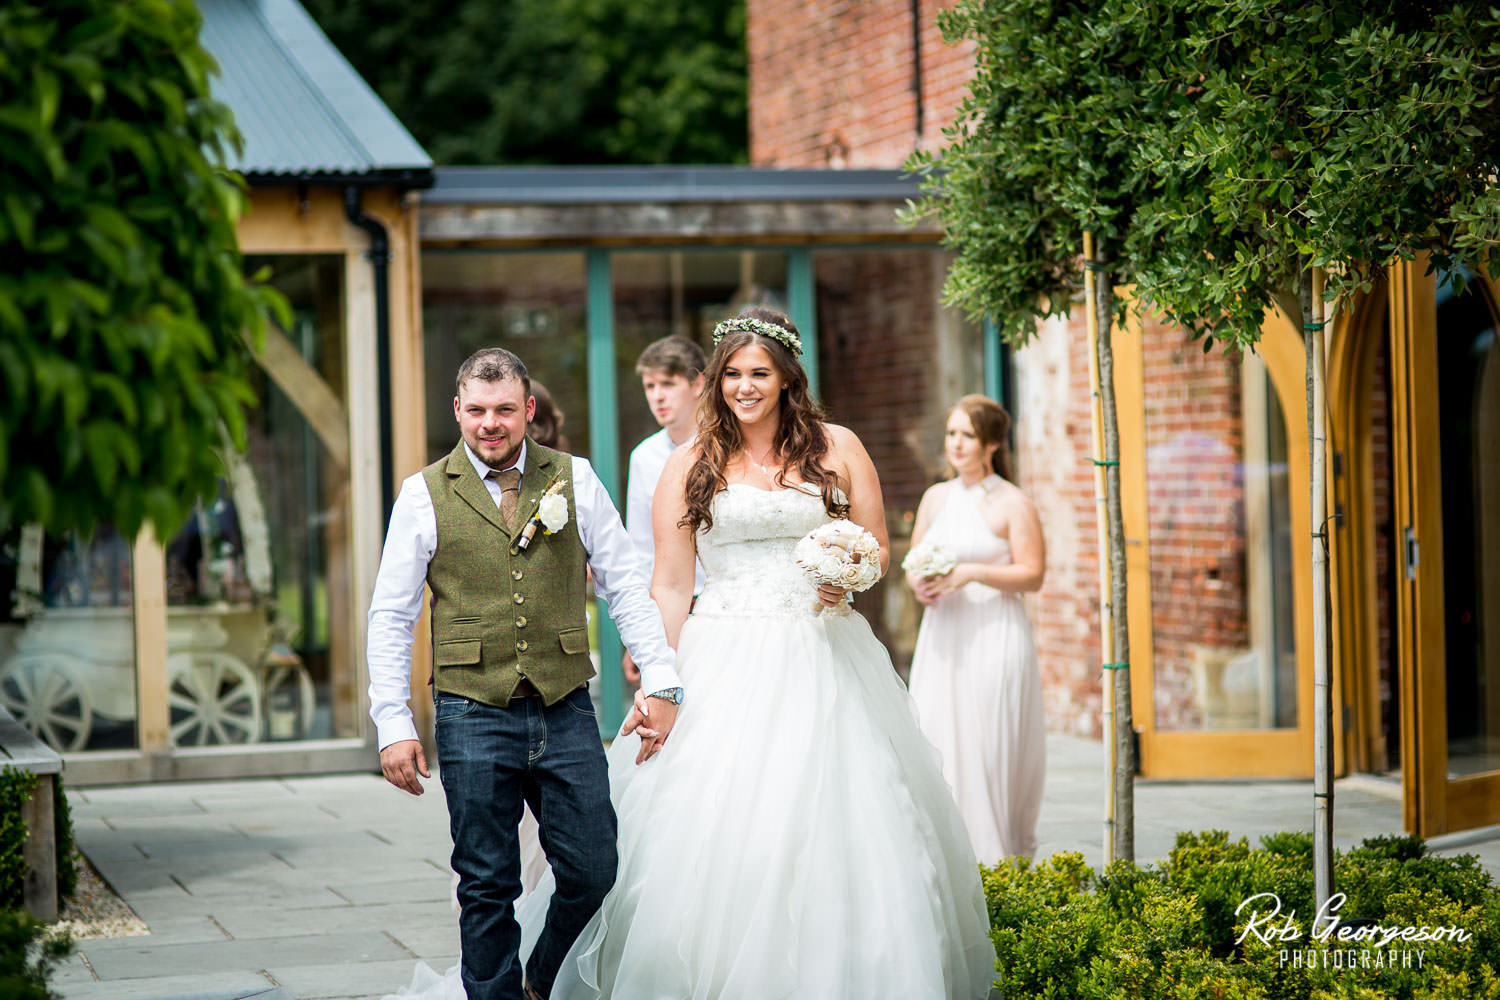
301	107
625	184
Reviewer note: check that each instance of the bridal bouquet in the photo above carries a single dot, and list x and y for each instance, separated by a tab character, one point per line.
840	553
929	560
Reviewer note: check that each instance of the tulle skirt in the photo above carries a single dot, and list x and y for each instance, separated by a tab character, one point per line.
795	837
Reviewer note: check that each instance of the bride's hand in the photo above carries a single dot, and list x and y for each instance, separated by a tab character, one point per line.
830	596
635	722
662	716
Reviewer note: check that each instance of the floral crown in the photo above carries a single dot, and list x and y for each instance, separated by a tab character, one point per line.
750	324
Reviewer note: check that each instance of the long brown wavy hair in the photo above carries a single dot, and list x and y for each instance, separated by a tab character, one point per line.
991	426
801	437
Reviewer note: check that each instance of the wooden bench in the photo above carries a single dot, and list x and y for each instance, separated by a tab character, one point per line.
24	752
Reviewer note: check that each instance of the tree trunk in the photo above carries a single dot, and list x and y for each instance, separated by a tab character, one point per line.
1312	333
1124	727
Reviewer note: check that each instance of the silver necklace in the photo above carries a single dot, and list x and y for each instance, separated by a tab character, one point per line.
764	469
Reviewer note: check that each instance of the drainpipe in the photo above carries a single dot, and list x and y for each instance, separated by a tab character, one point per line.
379	256
916	63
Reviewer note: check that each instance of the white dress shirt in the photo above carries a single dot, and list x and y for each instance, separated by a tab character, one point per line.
409	546
646	464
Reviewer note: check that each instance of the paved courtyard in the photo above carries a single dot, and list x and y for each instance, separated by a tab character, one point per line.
333	887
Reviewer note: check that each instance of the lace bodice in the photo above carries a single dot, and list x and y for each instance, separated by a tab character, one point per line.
747	554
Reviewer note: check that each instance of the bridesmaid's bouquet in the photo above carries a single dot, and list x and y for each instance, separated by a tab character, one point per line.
929	560
840	553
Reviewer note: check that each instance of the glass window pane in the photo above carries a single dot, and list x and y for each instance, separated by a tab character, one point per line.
67	638
259	615
1219	506
1468	365
877	311
683	293
534	304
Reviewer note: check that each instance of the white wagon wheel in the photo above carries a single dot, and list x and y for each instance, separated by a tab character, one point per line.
214	699
44	694
288	686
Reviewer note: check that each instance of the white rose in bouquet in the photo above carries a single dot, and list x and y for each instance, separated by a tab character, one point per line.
841	553
926	559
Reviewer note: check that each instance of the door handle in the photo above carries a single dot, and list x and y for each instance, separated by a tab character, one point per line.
1412	552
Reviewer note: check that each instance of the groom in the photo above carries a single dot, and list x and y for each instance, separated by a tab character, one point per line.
514	722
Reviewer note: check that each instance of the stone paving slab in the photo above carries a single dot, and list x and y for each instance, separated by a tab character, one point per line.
250	984
432	941
393	918
366	982
332	886
428	888
136	960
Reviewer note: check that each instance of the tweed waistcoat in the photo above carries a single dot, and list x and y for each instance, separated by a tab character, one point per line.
498	613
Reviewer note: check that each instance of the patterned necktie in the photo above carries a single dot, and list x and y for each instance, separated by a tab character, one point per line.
510	495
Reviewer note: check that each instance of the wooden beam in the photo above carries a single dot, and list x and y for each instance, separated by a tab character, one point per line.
312	397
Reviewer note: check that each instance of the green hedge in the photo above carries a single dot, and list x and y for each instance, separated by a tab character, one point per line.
27	955
1171	931
15	788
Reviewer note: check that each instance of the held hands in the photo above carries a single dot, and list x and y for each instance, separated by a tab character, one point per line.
401	762
661	714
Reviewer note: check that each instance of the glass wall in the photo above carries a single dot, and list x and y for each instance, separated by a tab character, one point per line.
259	608
67	638
1224	637
683	293
893	360
876	310
1469	401
534	304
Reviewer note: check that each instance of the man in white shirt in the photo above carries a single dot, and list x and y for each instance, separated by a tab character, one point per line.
514	722
671	371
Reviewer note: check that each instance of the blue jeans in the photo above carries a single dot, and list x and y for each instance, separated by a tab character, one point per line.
491	760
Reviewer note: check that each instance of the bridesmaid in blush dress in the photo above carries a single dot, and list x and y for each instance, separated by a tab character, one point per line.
974	673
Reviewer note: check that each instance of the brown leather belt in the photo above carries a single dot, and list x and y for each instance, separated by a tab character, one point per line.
525	689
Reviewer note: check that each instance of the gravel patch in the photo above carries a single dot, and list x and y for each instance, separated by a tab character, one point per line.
96	910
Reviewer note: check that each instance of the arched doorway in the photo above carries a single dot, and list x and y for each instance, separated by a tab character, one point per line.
1415	377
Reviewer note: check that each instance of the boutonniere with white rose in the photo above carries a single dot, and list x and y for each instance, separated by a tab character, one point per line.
551	514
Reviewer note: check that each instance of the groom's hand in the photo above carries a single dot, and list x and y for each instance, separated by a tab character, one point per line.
401	762
652	719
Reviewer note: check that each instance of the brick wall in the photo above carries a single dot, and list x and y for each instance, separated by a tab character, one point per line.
877	311
1196	512
832	85
833	82
1053	447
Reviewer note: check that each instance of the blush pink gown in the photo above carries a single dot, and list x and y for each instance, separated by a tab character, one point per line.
978	691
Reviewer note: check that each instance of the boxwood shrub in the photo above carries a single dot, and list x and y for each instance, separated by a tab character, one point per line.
1182	929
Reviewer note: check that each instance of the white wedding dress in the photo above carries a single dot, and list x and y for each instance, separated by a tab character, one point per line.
795	837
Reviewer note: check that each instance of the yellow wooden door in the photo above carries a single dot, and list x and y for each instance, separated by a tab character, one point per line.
1445	387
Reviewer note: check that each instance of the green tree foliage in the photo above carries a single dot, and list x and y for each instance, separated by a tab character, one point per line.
1343	134
123	305
1044	147
554	81
1210	146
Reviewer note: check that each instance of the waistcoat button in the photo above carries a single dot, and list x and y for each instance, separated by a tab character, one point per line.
516	574
521	622
521	646
518	598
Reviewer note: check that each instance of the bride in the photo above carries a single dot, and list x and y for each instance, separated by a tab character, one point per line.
793	836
